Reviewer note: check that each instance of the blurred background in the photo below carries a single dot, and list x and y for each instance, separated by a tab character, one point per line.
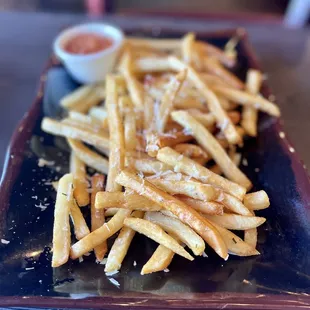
291	13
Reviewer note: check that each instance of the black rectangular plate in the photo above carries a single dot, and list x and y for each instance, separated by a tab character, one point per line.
278	278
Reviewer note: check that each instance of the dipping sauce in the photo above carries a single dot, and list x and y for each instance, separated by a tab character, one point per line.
87	43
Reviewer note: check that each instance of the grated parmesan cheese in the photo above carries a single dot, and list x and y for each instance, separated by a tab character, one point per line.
134	263
43	162
3	241
166	270
244	162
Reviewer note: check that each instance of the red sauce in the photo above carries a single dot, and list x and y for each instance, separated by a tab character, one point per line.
87	43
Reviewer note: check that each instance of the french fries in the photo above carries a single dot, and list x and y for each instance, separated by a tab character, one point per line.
116	130
247	99
192	169
178	208
235	245
89	157
170	107
121	246
159	261
77	168
236	222
167	103
178	229
99	235
192	189
126	200
80	227
257	200
69	131
156	233
209	143
61	230
249	114
97	216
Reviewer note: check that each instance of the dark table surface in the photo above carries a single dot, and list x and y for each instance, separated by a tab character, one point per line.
26	39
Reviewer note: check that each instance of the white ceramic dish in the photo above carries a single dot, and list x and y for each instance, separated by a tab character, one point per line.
89	68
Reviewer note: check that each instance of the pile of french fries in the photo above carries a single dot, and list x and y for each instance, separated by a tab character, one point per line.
166	127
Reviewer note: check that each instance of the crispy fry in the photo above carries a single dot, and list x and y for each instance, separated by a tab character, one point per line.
128	200
206	207
213	103
181	210
236	222
149	166
153	64
187	47
152	43
120	246
209	143
234	204
192	189
82	99
216	68
168	98
159	261
250	237
135	88
100	114
235	245
249	114
60	129
80	227
89	157
97	216
193	169
78	170
247	99
191	150
257	200
61	230
174	138
99	235
156	233
86	119
116	130
130	128
178	229
217	53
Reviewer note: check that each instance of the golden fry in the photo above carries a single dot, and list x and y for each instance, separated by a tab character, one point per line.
168	98
210	144
178	229
257	200
78	169
156	233
89	157
246	99
116	130
120	246
97	216
80	227
99	235
249	114
160	260
236	222
193	169
61	230
192	189
64	130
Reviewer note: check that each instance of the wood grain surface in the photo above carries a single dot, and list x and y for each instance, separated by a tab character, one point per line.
26	42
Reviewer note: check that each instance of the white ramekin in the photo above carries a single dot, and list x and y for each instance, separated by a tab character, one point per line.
89	68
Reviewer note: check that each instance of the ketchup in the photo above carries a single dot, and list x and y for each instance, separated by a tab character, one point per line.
87	43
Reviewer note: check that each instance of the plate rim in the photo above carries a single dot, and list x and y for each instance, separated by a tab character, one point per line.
231	300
